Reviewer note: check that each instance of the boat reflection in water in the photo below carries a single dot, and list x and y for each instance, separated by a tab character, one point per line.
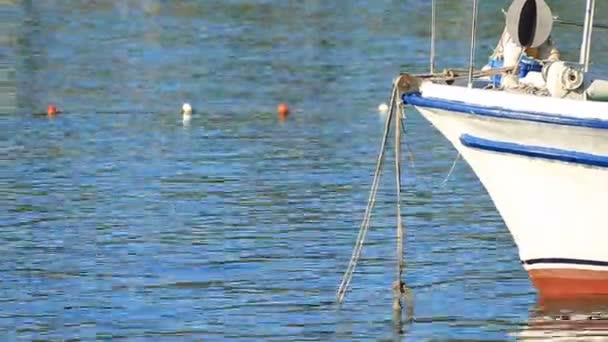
580	320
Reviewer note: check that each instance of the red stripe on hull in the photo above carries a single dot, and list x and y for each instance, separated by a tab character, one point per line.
569	283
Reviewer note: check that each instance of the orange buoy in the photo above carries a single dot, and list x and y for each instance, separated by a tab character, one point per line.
51	110
283	110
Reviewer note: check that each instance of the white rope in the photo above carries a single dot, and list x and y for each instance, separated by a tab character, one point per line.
445	181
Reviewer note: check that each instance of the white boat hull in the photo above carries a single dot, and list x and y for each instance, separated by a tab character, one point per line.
547	180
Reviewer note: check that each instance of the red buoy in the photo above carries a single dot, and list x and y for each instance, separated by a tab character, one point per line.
283	110
51	110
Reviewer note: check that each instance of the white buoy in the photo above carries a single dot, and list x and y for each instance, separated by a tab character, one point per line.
186	112
383	108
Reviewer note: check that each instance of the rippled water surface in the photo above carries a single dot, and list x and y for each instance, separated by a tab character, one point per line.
118	221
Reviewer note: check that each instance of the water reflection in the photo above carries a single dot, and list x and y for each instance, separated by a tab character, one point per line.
30	42
8	34
574	320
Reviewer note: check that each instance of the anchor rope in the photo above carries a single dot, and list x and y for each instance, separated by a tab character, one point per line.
410	154
400	233
365	224
400	289
445	181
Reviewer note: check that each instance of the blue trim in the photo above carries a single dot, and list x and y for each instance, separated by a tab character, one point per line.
416	99
565	261
534	151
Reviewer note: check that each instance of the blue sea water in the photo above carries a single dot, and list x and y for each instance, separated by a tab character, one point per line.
117	221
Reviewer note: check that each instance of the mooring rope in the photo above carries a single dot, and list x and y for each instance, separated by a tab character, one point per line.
365	224
445	180
398	284
363	229
410	154
400	233
400	289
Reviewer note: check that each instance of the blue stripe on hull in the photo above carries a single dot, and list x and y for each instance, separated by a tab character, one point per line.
534	151
416	99
564	261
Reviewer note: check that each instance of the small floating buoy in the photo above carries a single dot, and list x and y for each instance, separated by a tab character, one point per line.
283	111
186	112
383	108
51	111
